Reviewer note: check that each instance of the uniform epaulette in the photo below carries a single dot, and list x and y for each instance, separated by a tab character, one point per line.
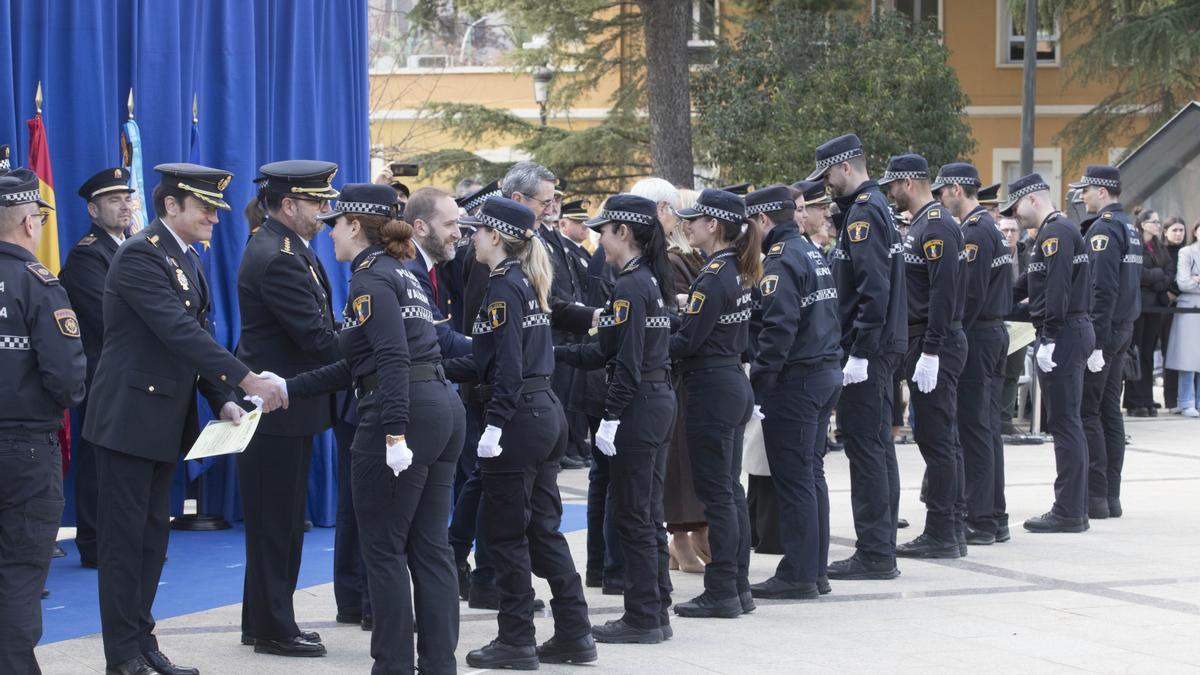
499	271
776	249
287	246
863	197
44	275
629	269
87	240
1108	215
367	262
153	239
973	219
934	214
713	267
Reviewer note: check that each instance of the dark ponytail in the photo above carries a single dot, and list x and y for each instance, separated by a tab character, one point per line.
747	241
653	244
394	235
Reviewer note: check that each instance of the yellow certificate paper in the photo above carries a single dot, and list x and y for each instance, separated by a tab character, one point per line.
224	438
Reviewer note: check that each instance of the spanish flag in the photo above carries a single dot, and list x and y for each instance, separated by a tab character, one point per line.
39	163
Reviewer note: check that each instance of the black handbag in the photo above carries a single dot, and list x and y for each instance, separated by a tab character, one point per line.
1132	366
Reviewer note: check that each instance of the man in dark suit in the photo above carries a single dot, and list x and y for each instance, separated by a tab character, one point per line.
110	206
157	351
287	328
433	215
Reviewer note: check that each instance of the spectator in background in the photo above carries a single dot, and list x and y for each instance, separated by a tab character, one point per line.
255	215
1156	281
1016	361
1183	354
1174	233
466	187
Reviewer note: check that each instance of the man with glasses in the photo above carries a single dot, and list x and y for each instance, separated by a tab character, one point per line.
287	328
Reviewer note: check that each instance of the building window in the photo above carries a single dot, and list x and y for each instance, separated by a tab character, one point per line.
1006	167
706	24
1012	35
926	12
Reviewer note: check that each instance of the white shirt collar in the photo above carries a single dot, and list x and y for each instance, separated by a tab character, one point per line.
119	240
183	248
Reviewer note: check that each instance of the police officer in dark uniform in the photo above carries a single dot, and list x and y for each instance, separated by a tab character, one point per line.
869	275
110	206
1116	252
1059	287
157	351
43	362
935	271
989	199
287	328
401	471
988	286
524	437
796	378
708	350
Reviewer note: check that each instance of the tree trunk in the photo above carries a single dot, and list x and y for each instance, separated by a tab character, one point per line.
667	25
1029	89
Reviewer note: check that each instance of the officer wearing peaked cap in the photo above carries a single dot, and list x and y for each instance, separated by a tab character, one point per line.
988	286
1116	253
937	348
814	212
157	351
110	206
872	309
1059	287
796	378
287	328
42	359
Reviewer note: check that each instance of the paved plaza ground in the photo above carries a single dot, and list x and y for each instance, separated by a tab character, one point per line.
1123	597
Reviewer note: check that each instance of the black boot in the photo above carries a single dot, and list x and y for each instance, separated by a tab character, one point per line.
778	589
925	546
823	586
747	600
1052	522
979	537
705	606
500	655
1114	507
556	650
619	632
1098	508
858	568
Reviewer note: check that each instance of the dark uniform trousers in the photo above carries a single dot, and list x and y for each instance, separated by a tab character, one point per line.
980	402
520	518
402	524
351	589
603	547
134	519
1103	424
1063	389
864	413
720	404
636	479
83	460
936	432
794	427
464	524
31	504
273	480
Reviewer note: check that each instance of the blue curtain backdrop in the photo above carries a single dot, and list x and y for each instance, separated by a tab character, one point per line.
275	79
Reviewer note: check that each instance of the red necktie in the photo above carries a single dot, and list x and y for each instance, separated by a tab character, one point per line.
433	282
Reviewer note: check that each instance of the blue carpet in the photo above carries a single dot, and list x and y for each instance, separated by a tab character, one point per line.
204	570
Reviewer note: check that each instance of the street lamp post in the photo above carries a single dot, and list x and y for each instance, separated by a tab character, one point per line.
541	89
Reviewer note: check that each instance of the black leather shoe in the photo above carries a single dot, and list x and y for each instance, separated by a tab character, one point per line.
1052	522
778	589
1002	532
925	546
823	586
593	579
293	646
832	445
1139	412
747	600
619	632
162	665
568	462
58	552
855	568
1114	507
349	617
309	635
555	650
368	622
901	523
705	606
464	580
497	654
1152	411
978	537
667	631
1098	508
137	666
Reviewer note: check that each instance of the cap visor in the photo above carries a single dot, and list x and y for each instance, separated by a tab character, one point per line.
1079	185
596	223
331	216
44	204
885	181
936	185
688	213
1006	209
818	173
219	203
470	221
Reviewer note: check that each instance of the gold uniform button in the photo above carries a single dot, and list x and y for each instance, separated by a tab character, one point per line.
187	303
150	388
222	378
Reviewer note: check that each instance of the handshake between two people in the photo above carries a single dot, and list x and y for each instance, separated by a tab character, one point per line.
264	390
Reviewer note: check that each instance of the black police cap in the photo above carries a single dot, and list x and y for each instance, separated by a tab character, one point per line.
1025	185
1099	175
834	152
21	186
716	204
505	216
739	189
769	199
364	199
299	178
814	192
905	166
628	209
105	182
990	194
956	173
202	182
477	198
575	210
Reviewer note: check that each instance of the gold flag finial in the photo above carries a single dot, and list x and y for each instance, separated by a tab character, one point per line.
37	98
195	110
129	103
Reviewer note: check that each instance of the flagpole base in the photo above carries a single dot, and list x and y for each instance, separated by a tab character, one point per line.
198	522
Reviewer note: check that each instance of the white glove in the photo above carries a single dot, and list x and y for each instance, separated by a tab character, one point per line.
606	436
855	371
1045	357
1095	362
489	442
926	372
758	413
399	457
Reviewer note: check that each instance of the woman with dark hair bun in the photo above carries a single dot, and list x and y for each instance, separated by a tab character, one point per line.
400	473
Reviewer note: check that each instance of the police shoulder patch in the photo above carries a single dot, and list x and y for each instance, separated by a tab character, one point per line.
973	219
1099	242
768	284
776	249
1050	246
858	231
933	249
67	323
695	303
44	275
714	266
864	197
972	251
497	313
362	308
620	312
87	240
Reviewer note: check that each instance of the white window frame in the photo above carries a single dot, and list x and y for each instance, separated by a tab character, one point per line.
1003	36
1052	155
694	39
941	12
